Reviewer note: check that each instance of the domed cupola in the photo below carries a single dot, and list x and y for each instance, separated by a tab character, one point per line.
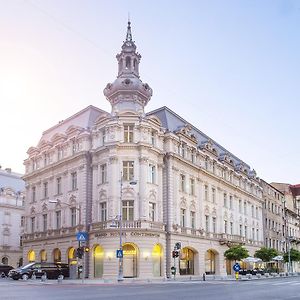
128	92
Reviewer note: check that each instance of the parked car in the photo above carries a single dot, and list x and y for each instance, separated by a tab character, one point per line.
51	270
4	269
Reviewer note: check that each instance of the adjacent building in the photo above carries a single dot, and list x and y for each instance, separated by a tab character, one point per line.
291	216
12	192
145	180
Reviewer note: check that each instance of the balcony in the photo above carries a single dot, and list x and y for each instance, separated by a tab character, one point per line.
51	233
113	224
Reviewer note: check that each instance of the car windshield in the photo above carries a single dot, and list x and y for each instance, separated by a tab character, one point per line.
27	266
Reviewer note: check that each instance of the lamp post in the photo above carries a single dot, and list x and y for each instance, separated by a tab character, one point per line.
120	273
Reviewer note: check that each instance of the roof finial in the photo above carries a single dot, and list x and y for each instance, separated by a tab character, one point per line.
129	35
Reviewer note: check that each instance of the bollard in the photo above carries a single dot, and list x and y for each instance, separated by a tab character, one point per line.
203	276
60	278
237	275
44	277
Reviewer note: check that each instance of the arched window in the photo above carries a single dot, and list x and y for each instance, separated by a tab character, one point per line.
128	61
56	255
31	256
157	255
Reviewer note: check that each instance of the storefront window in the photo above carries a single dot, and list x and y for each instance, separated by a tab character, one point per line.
210	262
186	263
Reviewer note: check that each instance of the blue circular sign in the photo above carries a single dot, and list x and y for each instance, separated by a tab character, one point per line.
236	267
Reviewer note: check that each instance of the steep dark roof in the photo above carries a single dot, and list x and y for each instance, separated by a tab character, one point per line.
172	122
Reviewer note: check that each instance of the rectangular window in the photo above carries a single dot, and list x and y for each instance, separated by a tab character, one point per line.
103	212
206	192
103	137
213	194
230	202
246	232
73	216
225	200
45	185
127	211
33	194
225	226
59	153
182	217
182	183
240	206
153	138
152	208
58	219
257	234
58	185
192	186
252	211
103	172
231	227
45	222
192	219
22	221
193	157
253	234
241	230
32	224
128	170
128	133
152	174
207	223
245	207
214	224
74	180
75	146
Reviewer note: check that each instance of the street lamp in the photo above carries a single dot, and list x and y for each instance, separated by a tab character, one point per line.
120	273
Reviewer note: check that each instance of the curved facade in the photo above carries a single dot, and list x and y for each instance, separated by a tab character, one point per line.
143	182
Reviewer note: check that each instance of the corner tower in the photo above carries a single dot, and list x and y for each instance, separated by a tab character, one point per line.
128	92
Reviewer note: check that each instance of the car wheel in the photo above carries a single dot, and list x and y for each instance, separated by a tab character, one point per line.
25	277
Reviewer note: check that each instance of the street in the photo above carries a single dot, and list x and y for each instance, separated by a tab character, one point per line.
275	289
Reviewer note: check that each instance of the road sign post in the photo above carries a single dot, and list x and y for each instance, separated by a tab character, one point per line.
236	268
82	237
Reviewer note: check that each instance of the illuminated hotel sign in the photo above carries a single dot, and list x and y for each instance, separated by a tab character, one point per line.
133	234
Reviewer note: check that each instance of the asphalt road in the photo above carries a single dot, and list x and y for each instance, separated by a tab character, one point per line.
270	289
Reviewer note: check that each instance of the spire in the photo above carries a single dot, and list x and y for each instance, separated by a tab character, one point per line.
129	35
128	92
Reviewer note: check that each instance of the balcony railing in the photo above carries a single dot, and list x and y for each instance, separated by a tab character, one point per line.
111	224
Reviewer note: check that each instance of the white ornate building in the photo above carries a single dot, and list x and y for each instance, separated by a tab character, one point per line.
188	189
12	191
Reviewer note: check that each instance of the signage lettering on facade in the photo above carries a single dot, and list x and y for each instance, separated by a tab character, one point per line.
134	233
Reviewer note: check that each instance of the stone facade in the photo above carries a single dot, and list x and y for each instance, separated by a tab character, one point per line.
12	192
145	180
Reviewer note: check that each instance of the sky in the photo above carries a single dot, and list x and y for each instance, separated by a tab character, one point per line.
230	68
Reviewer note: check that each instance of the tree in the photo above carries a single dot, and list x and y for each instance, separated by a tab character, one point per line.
266	254
236	253
294	255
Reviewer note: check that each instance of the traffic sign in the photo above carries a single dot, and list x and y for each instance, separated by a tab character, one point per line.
82	236
236	267
119	253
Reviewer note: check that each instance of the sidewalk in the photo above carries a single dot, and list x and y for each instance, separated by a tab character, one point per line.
209	278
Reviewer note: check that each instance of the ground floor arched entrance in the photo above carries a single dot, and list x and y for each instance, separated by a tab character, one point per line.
56	255
186	262
98	255
210	262
157	260
130	260
31	256
43	255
